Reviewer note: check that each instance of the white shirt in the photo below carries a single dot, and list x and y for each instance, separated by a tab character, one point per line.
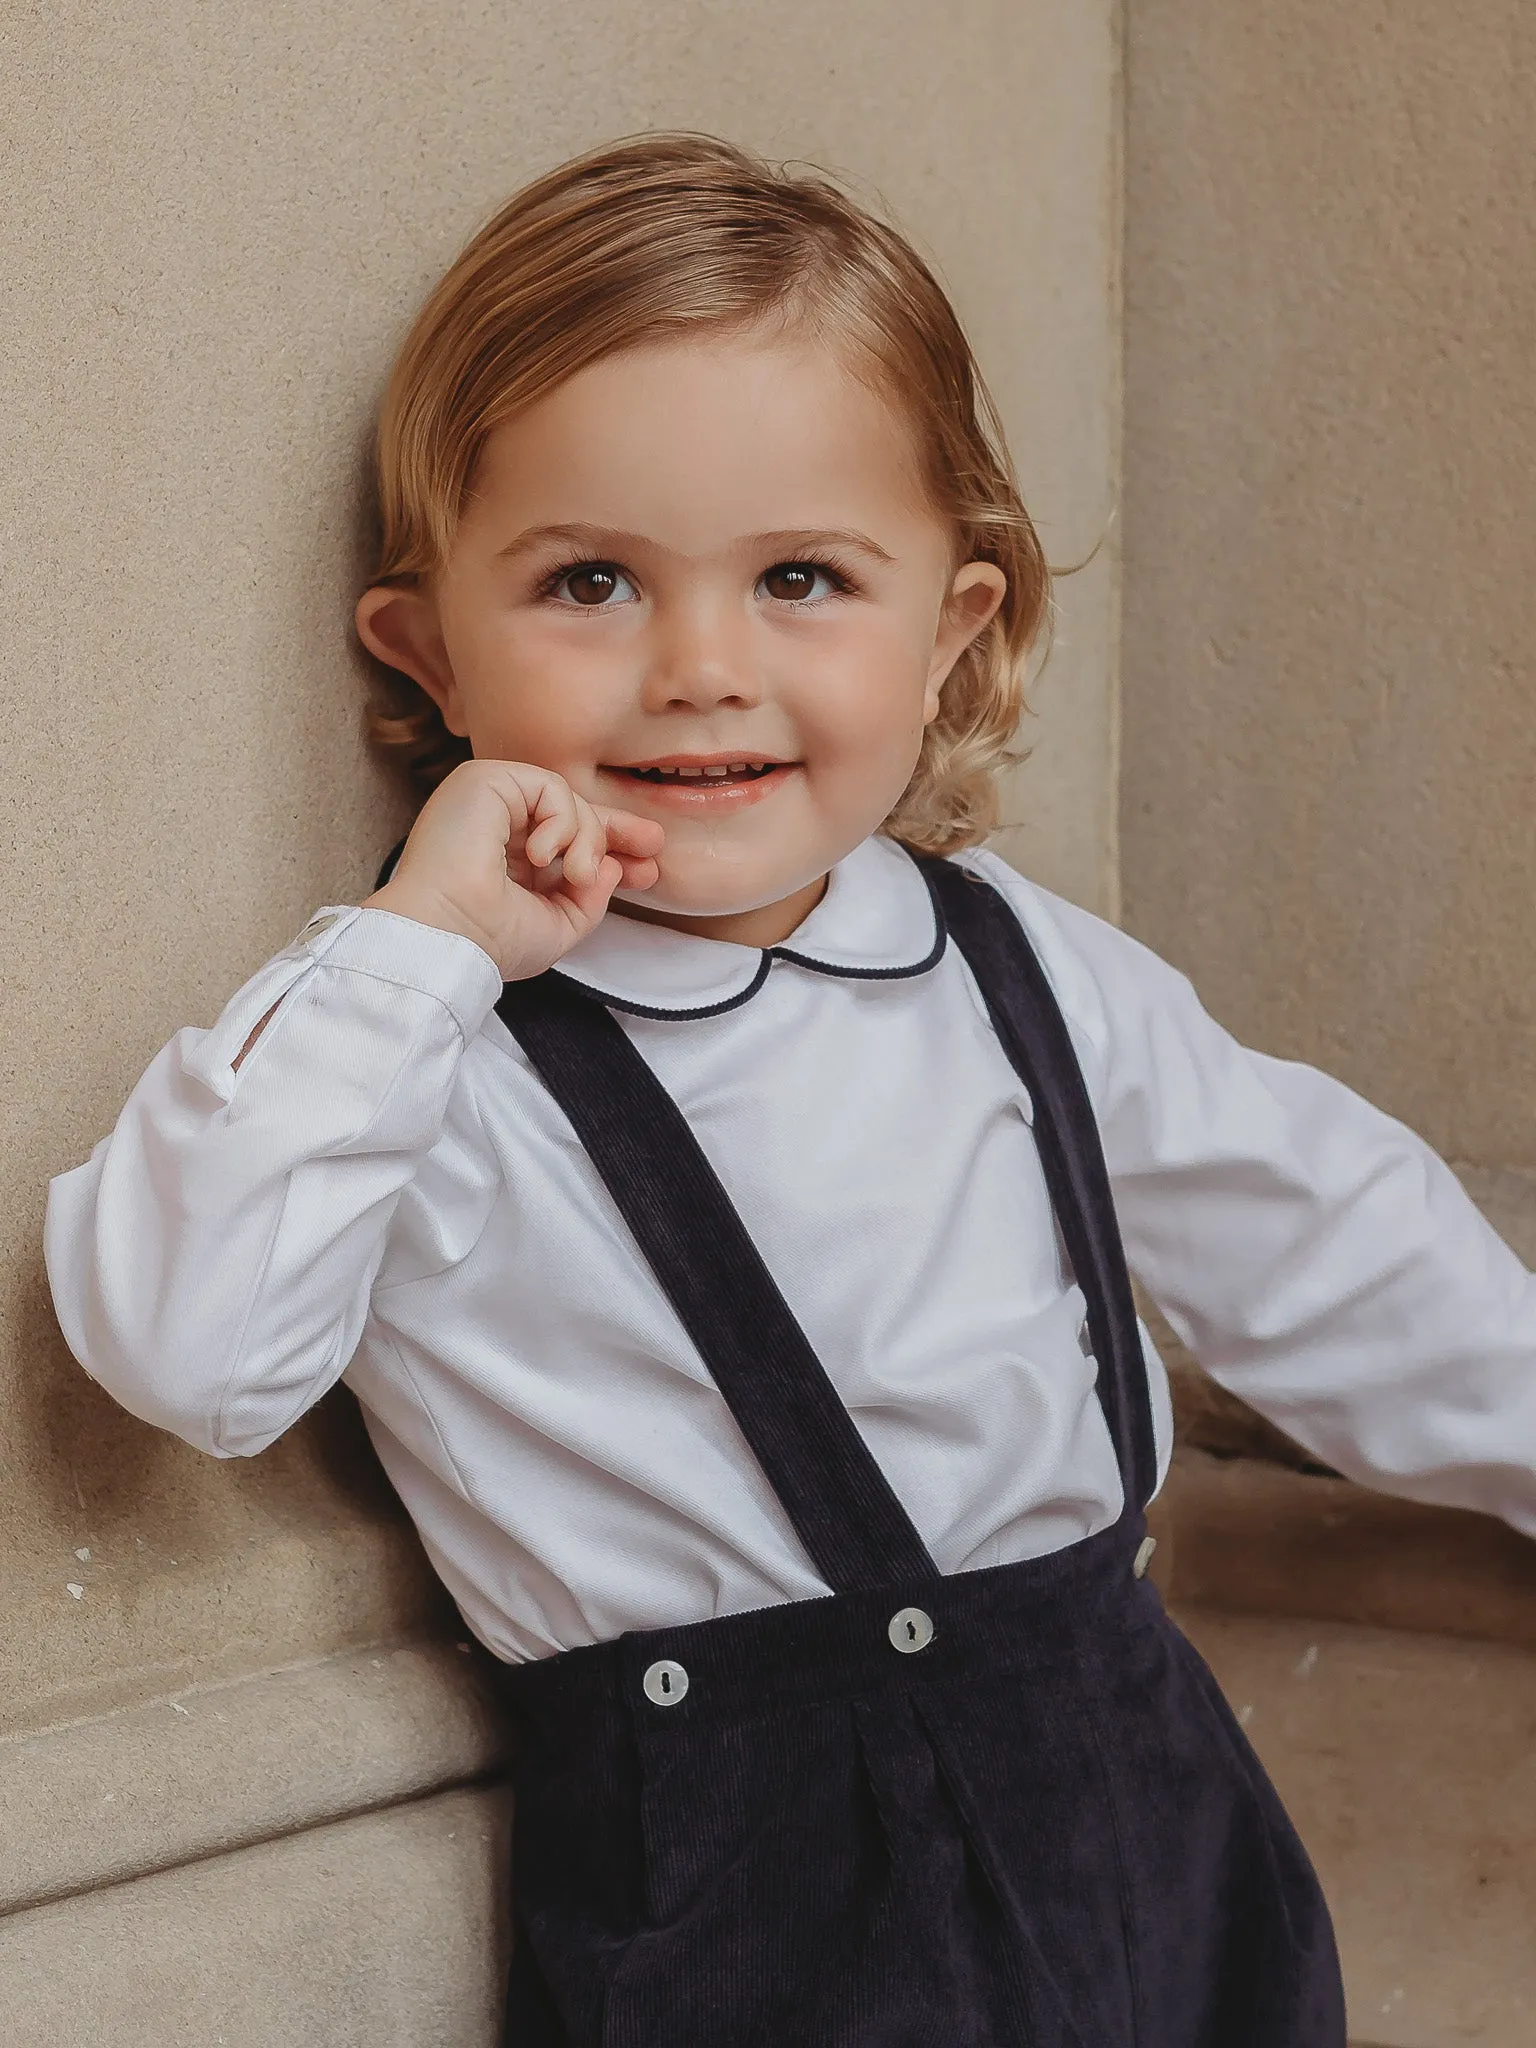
385	1192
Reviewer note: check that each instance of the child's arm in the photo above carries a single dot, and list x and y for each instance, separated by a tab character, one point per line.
211	1262
1314	1254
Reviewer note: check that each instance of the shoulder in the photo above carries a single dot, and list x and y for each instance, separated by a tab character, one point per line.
1109	985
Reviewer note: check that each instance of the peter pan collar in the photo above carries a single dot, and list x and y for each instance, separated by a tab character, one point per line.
877	921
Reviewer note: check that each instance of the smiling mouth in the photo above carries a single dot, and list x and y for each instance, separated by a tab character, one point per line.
720	772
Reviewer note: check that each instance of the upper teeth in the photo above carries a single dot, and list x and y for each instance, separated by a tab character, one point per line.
729	768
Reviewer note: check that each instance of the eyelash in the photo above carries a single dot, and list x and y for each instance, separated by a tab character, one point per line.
550	582
844	582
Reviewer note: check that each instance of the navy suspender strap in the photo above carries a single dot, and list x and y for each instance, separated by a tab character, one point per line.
841	1505
1028	1021
839	1502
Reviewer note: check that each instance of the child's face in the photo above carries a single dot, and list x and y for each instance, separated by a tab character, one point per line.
715	549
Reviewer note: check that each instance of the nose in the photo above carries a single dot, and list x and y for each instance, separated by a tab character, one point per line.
699	656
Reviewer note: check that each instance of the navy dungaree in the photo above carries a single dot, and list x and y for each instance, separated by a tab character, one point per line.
1007	1806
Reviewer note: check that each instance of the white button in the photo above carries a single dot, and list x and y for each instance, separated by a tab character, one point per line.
909	1629
665	1683
317	925
1143	1556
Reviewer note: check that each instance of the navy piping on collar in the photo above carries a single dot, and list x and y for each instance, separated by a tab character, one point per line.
772	953
609	1002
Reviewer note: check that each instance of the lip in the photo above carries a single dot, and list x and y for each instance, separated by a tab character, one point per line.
743	754
714	798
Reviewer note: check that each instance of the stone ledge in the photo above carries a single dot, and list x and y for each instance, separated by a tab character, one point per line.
1249	1537
1406	1763
194	1775
389	1930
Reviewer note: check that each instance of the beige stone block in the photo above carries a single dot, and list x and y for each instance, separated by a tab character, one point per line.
1409	1766
384	1931
215	1768
186	1570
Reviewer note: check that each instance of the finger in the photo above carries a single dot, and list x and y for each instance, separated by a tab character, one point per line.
584	855
527	797
554	822
629	833
583	904
513	785
638	873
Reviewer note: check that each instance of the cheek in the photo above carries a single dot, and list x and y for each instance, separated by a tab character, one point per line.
864	689
536	691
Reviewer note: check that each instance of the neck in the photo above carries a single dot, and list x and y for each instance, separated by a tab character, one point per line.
769	925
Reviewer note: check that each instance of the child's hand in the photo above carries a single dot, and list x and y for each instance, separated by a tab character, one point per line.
480	857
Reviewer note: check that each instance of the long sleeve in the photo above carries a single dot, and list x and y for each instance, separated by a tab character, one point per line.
1316	1256
211	1262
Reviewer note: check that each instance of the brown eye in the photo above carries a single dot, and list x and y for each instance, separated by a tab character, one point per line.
793	582
593	583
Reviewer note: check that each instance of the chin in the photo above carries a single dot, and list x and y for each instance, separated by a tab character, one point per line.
678	901
701	889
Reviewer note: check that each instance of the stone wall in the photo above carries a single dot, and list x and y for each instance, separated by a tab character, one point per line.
233	1714
1329	809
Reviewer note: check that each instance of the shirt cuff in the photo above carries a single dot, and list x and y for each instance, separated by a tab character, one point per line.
461	975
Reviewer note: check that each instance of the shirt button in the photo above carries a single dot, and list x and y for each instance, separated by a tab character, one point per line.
317	925
909	1629
665	1683
1143	1557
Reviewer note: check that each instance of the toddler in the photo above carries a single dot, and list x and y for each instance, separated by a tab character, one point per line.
718	1179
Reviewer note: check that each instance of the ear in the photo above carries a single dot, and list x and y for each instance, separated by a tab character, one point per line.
974	596
399	623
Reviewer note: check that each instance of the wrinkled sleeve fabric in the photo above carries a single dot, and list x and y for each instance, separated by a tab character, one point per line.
211	1262
1314	1254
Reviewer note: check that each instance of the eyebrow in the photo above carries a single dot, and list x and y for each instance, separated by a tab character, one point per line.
601	538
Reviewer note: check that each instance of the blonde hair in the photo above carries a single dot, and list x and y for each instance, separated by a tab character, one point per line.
664	235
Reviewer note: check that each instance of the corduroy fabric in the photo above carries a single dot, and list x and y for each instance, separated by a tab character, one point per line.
1045	1828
